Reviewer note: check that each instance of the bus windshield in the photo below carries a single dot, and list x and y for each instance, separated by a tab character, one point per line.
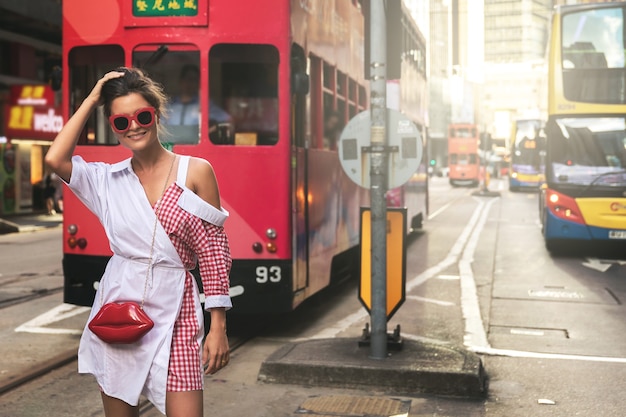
593	56
527	146
589	151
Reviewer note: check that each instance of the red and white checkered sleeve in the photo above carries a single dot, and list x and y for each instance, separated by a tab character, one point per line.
214	261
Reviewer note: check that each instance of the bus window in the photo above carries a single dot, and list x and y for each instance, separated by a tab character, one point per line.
453	159
593	56
87	65
176	67
243	94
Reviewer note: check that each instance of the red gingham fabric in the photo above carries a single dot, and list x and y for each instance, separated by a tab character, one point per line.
199	241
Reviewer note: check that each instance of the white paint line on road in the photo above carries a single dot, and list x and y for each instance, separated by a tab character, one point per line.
475	336
600	264
430	300
58	313
452	256
439	211
431	272
449	277
474	330
537	355
425	339
341	325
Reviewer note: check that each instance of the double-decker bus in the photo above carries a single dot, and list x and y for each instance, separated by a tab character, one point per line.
527	151
273	82
463	159
584	196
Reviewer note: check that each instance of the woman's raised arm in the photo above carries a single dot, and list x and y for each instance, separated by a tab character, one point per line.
59	156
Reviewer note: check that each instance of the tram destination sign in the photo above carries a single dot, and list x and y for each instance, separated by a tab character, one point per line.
165	8
404	144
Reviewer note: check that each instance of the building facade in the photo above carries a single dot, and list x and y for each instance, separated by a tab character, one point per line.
30	52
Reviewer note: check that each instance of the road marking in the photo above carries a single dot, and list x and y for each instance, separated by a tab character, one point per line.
602	265
58	313
340	326
488	350
430	300
558	294
438	212
449	277
452	256
475	336
431	272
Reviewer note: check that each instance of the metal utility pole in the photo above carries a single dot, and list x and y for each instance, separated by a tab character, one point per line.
378	178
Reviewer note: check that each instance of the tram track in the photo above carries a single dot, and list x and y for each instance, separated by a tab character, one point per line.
70	356
20	299
27	287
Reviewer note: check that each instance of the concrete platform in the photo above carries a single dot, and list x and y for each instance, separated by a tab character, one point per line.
418	367
29	222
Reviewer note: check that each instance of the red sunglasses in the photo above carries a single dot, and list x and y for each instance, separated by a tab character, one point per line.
121	122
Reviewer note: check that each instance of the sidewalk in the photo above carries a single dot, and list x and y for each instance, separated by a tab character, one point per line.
29	222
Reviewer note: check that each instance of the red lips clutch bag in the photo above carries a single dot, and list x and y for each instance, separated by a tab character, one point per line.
121	322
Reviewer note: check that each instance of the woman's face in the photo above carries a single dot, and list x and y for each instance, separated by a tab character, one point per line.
133	123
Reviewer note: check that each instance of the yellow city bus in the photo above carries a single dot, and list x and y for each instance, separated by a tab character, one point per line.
584	194
526	154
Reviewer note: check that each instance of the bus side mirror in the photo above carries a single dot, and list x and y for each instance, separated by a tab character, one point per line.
300	83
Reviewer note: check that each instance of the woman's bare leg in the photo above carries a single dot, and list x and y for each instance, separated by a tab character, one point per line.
114	407
184	404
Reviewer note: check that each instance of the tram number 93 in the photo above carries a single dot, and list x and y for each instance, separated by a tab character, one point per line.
265	274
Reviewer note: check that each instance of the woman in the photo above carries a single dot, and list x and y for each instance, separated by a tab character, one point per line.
151	264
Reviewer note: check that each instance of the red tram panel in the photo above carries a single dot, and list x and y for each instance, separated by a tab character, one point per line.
270	75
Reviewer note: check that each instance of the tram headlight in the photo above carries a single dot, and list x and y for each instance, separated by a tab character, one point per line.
72	242
82	243
271	247
271	233
72	229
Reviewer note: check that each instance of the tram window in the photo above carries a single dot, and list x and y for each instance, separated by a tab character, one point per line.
87	64
177	68
243	94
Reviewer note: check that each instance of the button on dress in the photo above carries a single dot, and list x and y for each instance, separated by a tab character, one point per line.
189	231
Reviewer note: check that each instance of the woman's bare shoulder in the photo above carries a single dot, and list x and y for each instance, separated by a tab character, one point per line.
201	180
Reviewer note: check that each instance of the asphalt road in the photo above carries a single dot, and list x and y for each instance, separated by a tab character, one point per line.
550	329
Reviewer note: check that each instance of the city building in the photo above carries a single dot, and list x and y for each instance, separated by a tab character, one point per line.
516	37
30	53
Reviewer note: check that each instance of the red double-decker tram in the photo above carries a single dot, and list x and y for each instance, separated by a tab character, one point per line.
463	159
261	89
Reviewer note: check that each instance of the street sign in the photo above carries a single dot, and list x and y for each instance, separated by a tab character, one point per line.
403	140
396	260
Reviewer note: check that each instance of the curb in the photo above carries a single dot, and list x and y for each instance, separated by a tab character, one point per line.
418	368
8	227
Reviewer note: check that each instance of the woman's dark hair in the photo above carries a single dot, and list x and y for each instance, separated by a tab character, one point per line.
133	81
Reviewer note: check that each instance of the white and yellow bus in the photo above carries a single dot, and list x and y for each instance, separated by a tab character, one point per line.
584	194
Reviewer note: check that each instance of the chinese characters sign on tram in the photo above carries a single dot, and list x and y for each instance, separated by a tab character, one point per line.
165	8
